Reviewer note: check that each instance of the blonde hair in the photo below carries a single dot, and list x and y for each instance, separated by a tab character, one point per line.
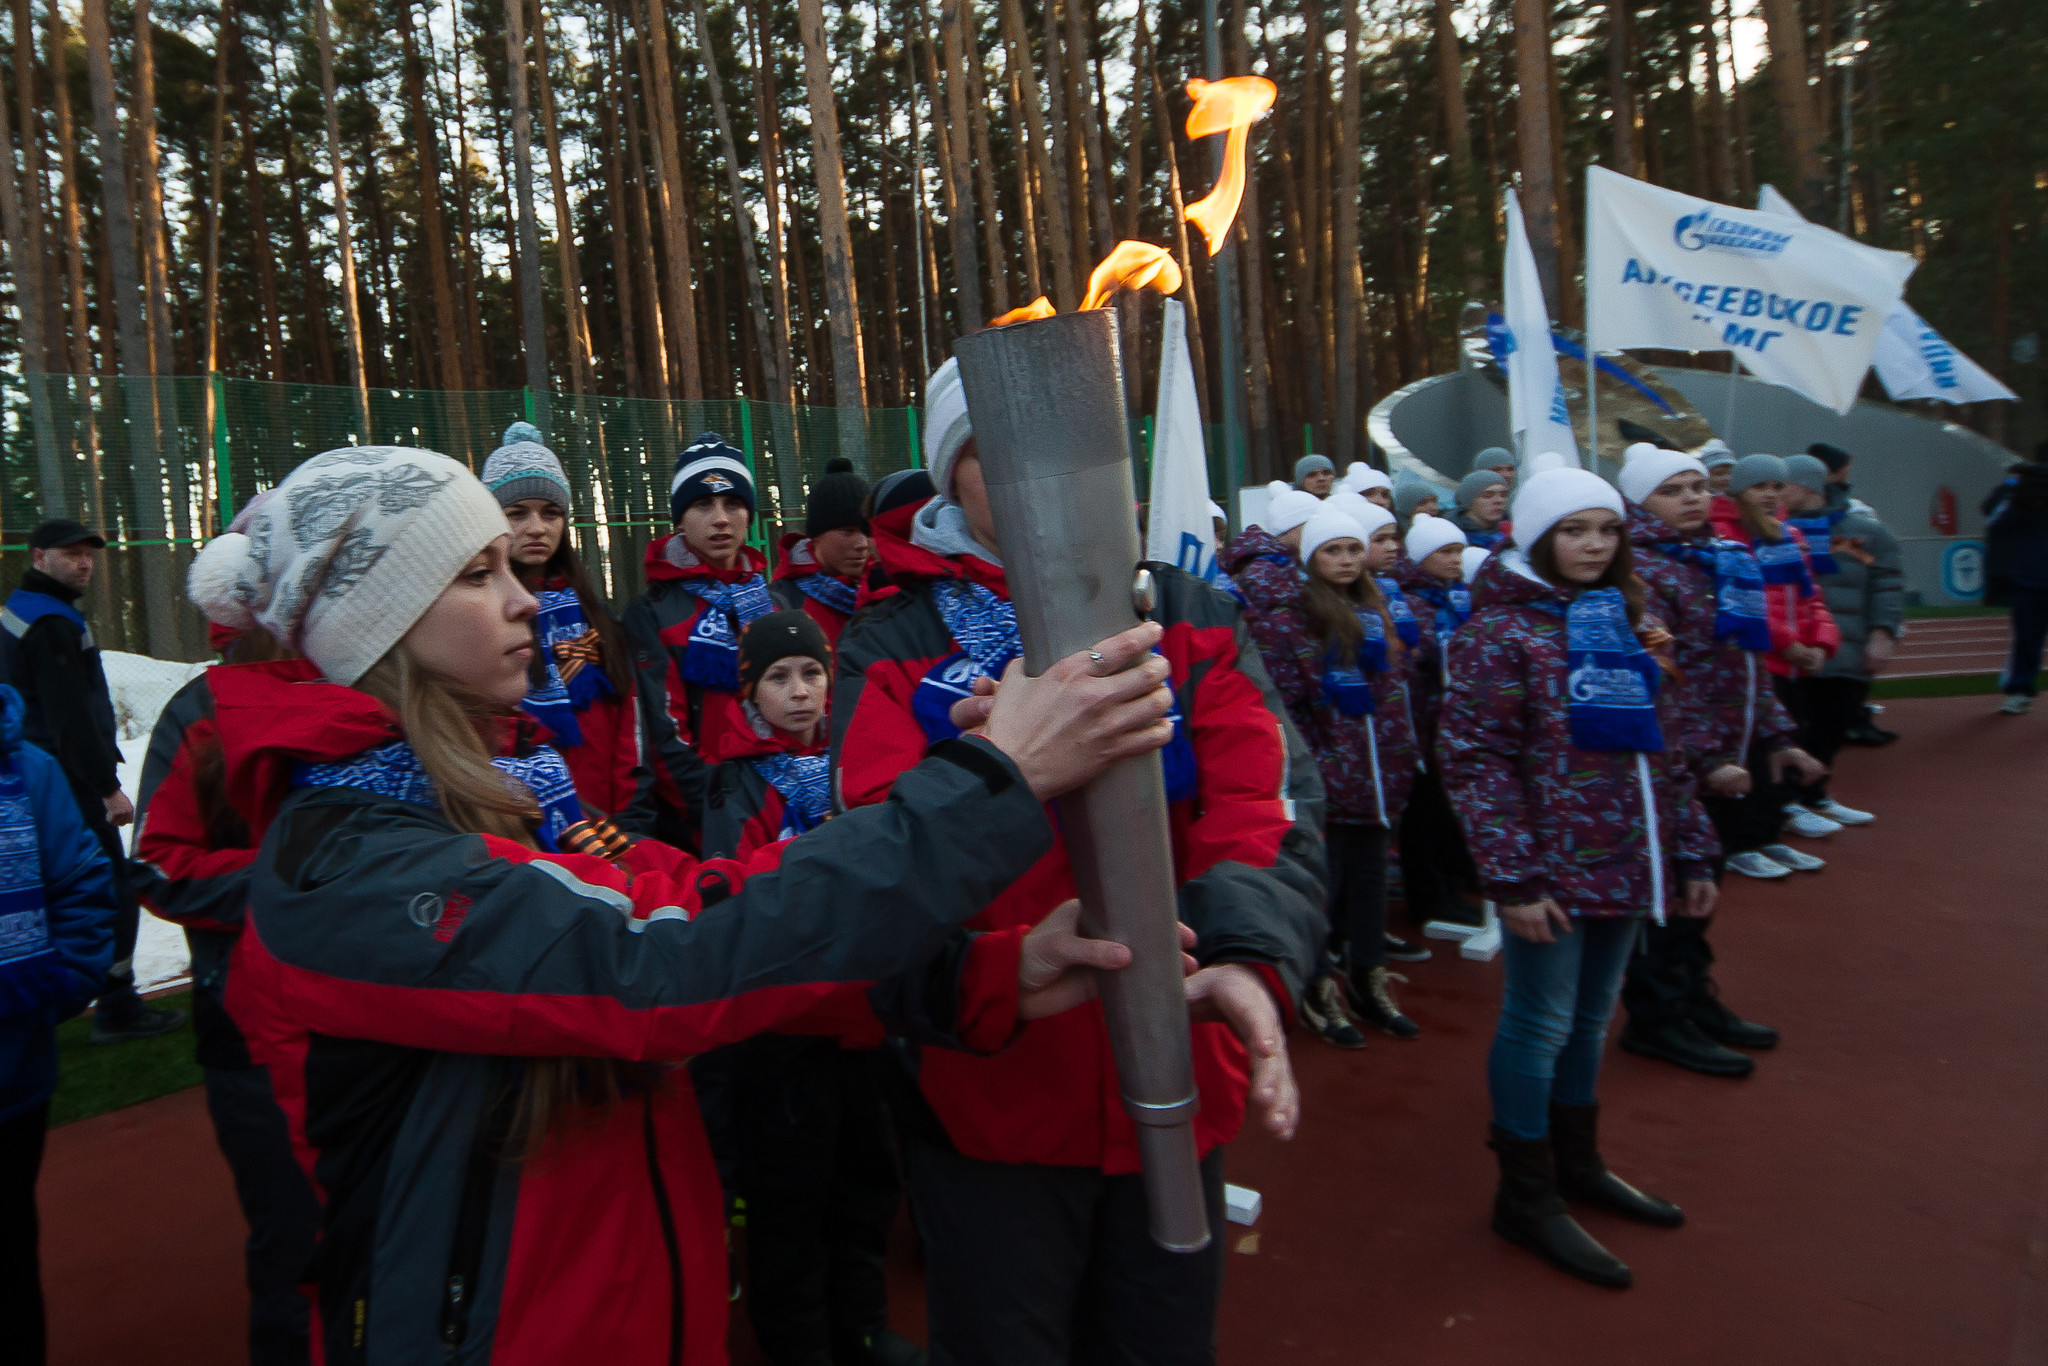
451	732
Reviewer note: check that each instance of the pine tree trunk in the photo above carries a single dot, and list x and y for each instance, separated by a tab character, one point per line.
42	253
337	173
1083	92
1745	169
966	260
664	129
842	298
1251	237
742	218
1798	120
1073	211
1450	76
1027	132
28	276
533	327
613	94
1169	153
1570	301
146	513
1533	143
1621	101
1053	217
941	117
768	150
984	160
654	356
1721	140
426	142
1349	305
575	317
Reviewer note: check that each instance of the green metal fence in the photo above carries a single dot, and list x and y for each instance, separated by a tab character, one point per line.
69	445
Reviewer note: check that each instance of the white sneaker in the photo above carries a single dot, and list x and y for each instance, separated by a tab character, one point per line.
1792	858
1840	814
1754	864
2015	705
1808	824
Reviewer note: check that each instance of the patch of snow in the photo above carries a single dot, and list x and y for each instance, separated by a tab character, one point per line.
141	686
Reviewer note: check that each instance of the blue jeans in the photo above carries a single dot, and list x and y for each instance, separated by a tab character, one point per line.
1553	1021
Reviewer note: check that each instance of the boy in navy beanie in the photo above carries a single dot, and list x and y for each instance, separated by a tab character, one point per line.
818	570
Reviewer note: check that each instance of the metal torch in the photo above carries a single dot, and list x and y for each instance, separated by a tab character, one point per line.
1049	423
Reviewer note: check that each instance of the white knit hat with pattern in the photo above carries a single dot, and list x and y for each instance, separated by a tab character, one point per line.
347	553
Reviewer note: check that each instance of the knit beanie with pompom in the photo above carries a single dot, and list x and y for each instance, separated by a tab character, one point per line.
347	553
525	468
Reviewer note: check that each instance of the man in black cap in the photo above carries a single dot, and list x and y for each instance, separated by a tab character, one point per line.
48	655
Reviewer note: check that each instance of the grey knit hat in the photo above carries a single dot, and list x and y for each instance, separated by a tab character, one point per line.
1474	484
1492	458
1409	493
1807	471
1757	469
1311	464
524	468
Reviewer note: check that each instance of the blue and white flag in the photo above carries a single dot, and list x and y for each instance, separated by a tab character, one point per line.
1797	304
1537	415
1913	360
1178	529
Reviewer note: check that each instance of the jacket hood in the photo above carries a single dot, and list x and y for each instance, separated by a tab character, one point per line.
757	738
270	716
1413	578
793	559
669	560
12	709
1248	545
1506	580
904	562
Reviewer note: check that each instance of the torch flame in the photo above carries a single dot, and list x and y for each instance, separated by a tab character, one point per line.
1132	265
1227	106
1040	307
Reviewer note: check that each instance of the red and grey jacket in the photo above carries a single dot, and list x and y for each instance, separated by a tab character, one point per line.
801	584
1727	707
394	974
747	809
1246	826
683	724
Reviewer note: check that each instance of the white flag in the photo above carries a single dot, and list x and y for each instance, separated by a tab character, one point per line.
1178	529
1537	415
1799	305
1913	360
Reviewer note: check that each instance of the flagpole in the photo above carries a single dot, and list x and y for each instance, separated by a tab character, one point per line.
1592	352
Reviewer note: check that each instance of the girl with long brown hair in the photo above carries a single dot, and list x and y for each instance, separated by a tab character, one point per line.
474	1034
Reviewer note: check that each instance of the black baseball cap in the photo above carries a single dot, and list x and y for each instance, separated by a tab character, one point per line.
61	531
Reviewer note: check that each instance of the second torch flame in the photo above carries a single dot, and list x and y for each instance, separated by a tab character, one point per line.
1228	106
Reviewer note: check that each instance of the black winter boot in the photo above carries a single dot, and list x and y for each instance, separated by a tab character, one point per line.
1724	1026
1581	1175
1681	1041
1529	1211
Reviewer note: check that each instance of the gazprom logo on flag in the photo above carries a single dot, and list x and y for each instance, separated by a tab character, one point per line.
1699	231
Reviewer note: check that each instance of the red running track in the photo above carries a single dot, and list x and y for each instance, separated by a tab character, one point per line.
1877	1193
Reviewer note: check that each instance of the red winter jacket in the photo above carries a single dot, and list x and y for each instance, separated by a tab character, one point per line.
1797	617
793	565
395	973
684	725
1246	843
745	811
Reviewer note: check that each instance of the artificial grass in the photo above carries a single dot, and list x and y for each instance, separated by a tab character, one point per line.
93	1078
1942	685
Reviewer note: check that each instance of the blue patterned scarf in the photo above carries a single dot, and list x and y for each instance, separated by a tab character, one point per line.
712	656
29	965
835	592
1345	686
1405	624
805	782
1453	603
1610	679
1739	610
393	770
984	625
1819	531
1784	564
569	653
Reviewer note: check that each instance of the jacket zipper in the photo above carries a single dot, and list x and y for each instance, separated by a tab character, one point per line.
1650	831
669	1241
472	1223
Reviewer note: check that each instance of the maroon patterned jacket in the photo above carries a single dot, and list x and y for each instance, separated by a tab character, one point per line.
1598	830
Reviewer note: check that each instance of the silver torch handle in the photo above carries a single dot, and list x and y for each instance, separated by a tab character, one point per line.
1049	422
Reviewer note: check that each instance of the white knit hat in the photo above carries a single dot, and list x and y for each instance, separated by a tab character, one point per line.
946	425
1288	510
1645	466
1427	535
1551	492
1359	509
1328	525
1469	562
1361	476
349	551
